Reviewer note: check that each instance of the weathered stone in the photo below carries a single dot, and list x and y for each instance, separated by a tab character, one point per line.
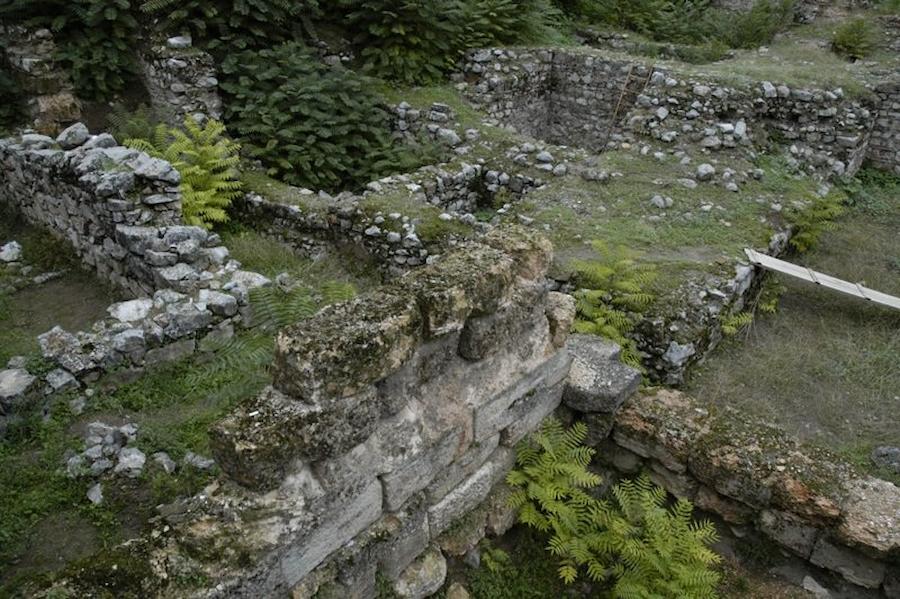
457	591
852	565
346	347
11	252
483	335
60	380
14	383
560	312
131	462
340	524
423	577
73	136
870	516
400	484
461	468
597	381
788	531
408	539
471	492
171	352
131	311
731	511
165	462
256	442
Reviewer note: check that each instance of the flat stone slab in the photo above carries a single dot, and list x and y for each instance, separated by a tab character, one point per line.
597	381
14	382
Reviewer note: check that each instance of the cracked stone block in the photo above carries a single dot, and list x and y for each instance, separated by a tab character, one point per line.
597	381
852	565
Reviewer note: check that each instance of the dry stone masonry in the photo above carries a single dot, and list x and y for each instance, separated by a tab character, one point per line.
578	97
181	81
52	103
754	477
390	418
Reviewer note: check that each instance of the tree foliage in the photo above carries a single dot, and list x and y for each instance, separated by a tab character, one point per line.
632	544
310	124
855	39
207	161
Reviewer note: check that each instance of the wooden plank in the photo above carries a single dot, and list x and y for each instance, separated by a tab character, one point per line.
811	276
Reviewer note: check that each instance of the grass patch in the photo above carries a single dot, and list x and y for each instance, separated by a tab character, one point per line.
825	365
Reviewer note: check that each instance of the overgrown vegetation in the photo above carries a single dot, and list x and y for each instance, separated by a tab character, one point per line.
813	219
207	161
855	38
632	544
94	38
694	22
310	124
611	297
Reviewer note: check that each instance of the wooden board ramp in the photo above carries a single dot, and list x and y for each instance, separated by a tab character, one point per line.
808	274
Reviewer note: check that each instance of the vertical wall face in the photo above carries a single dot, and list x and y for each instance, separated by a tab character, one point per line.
181	81
589	99
586	95
513	87
884	146
51	100
402	405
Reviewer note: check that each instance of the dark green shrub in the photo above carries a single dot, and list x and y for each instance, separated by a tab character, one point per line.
418	41
411	41
632	544
755	27
855	39
10	97
229	24
309	124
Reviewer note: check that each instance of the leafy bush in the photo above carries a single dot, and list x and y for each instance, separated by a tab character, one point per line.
418	41
693	22
229	24
207	161
611	296
855	39
10	97
633	544
309	124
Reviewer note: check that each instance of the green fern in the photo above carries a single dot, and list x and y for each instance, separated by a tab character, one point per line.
612	297
734	323
632	545
207	161
814	219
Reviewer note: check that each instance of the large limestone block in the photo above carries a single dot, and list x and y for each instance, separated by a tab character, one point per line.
788	531
339	525
471	492
484	335
598	382
256	442
852	565
347	346
871	516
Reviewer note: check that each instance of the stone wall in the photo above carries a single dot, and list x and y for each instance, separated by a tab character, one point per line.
884	146
120	211
181	81
390	418
51	103
747	472
395	240
825	131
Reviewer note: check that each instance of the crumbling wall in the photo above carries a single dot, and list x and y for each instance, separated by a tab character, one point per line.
395	240
120	211
390	417
181	81
747	472
822	129
884	146
51	101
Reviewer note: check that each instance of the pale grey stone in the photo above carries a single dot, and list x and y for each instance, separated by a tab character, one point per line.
95	494
73	136
471	492
423	577
131	311
198	461
60	380
171	352
11	252
14	382
131	462
852	565
705	172
338	525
